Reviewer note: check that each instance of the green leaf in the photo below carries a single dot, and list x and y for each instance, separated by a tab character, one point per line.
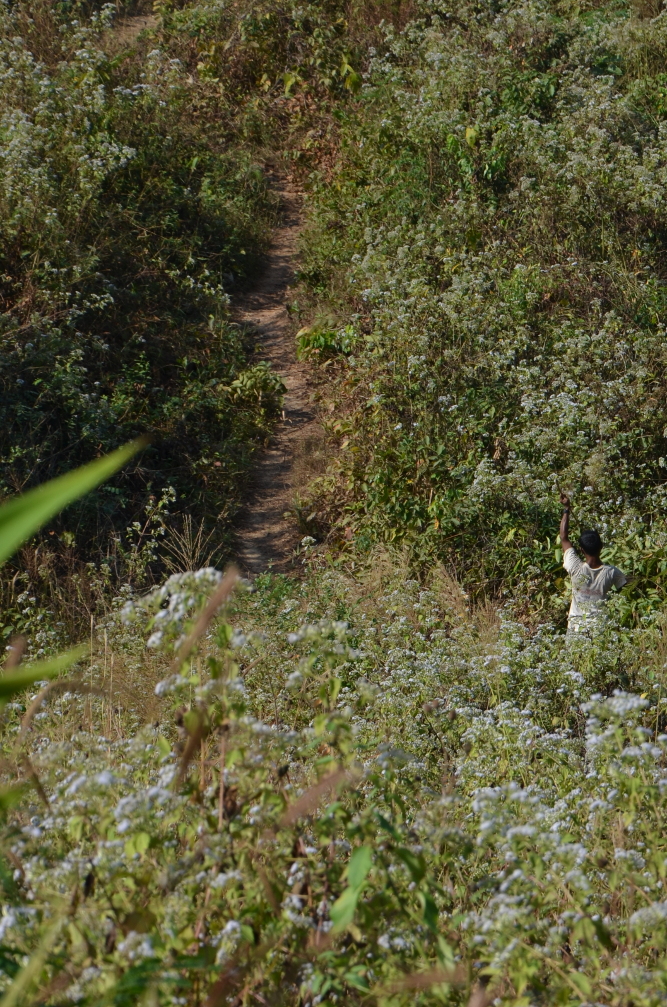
334	689
247	934
353	82
429	911
415	864
142	841
17	681
163	745
138	843
471	135
343	910
359	866
24	515
75	827
445	953
581	981
357	979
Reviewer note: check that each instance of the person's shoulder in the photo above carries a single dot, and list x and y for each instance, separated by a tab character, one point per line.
617	576
570	559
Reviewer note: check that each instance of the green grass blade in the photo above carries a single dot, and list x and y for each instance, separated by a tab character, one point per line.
11	796
343	910
24	515
31	971
19	680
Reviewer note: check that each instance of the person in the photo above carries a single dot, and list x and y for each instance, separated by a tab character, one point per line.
592	580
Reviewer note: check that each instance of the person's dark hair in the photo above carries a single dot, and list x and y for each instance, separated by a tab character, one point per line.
591	543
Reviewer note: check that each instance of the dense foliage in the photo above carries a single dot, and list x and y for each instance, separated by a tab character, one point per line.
136	197
128	206
367	785
489	248
390	822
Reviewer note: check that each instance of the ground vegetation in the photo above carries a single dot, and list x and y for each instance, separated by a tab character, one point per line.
340	797
487	258
393	779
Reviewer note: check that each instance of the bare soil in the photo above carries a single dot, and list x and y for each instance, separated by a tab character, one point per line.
126	30
267	529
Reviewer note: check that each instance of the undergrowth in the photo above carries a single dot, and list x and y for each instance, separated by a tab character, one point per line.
393	780
484	281
138	195
125	219
358	788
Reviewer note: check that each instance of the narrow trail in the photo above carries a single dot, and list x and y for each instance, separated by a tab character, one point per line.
266	531
267	534
126	30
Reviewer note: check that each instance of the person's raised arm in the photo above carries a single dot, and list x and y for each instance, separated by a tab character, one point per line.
565	523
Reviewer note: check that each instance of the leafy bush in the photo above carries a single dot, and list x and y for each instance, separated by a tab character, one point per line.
349	808
493	229
313	341
123	218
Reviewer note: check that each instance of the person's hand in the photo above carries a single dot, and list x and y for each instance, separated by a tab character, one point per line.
565	500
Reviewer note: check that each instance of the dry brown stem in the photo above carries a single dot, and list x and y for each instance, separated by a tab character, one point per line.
36	782
194	741
424	981
309	801
17	645
64	685
218	598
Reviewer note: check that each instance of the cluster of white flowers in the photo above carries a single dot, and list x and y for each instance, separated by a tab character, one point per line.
167	609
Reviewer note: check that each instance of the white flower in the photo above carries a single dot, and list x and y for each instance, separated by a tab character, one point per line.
105	779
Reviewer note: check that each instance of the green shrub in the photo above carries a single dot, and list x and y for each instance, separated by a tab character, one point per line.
348	808
324	343
493	229
124	214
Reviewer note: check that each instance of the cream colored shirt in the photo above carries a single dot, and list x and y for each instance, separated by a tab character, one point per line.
589	588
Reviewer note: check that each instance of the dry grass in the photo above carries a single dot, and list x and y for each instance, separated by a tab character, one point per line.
190	548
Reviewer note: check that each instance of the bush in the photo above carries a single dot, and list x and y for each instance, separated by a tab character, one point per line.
494	231
348	808
124	219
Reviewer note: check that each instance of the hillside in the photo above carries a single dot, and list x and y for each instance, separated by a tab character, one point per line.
384	774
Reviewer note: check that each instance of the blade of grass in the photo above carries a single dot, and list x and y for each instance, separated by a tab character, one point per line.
31	970
19	680
23	515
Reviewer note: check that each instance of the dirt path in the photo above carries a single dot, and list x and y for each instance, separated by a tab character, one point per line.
266	538
127	29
